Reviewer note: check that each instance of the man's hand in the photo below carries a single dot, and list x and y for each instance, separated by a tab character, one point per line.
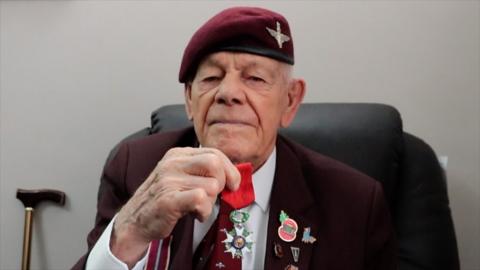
185	181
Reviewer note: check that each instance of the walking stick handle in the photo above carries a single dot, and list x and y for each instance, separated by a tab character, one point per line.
30	198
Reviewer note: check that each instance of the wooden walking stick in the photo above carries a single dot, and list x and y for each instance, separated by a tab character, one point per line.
30	199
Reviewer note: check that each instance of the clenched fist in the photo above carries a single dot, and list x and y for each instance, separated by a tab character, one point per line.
185	181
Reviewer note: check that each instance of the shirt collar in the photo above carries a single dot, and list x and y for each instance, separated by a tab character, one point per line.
263	181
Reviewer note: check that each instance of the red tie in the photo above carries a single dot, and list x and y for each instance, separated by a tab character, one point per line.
212	252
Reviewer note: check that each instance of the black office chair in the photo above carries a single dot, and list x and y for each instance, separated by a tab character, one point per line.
370	138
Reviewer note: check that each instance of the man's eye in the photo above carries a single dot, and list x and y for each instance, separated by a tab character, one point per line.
256	79
211	79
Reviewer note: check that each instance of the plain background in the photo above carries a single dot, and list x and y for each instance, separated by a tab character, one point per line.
77	76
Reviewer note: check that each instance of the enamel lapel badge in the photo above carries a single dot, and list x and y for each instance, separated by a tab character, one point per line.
295	253
307	238
288	228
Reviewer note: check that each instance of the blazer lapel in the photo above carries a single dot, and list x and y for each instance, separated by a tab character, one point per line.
291	194
181	247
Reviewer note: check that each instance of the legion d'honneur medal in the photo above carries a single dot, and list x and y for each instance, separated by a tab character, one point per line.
239	239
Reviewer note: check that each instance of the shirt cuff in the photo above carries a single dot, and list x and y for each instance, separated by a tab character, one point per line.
102	258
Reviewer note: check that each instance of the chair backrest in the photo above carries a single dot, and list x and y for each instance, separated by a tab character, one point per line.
369	137
365	136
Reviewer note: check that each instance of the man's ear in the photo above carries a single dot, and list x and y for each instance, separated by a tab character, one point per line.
188	100
296	92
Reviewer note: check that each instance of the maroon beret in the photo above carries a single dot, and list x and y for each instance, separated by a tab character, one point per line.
240	29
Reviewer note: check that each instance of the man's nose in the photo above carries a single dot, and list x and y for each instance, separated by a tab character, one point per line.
230	91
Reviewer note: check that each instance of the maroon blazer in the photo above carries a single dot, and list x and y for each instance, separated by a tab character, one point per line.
344	208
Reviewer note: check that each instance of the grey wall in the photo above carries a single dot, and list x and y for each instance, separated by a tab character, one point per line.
77	76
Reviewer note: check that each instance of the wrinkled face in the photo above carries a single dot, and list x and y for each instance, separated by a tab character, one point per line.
237	101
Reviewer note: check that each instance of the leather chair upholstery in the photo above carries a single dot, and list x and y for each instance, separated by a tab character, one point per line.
370	138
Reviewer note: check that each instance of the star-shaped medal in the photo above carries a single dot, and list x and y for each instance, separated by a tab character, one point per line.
238	240
278	36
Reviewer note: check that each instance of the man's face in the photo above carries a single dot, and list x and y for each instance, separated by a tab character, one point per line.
237	101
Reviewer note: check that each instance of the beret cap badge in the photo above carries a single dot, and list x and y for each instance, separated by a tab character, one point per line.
278	36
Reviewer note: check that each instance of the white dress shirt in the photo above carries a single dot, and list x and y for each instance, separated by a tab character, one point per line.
101	257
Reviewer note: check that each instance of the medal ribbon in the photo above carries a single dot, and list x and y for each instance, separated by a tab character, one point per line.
245	194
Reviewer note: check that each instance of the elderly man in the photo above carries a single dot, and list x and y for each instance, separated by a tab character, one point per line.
188	200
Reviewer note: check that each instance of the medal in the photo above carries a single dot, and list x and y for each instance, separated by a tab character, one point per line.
238	240
288	228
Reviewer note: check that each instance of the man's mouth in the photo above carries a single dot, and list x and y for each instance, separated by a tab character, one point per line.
228	122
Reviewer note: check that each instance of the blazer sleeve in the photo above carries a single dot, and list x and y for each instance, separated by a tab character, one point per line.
112	195
380	240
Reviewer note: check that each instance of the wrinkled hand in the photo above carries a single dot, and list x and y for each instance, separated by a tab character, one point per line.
185	181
